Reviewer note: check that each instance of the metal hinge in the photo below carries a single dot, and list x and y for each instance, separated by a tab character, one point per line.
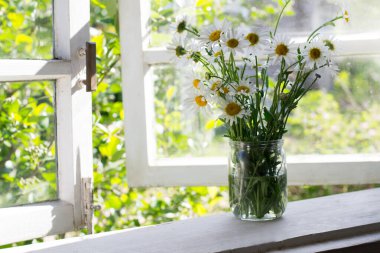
90	53
88	206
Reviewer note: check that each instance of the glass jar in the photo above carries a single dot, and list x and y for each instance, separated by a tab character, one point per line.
257	180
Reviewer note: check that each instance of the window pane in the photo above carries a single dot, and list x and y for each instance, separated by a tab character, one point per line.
26	29
300	18
178	133
27	143
339	116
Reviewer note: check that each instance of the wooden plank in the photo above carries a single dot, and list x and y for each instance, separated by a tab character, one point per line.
25	70
31	221
304	222
351	242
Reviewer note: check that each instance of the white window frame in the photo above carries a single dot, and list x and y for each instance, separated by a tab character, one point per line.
145	170
73	110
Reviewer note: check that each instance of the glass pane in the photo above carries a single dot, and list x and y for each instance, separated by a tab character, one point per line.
301	17
339	116
177	133
27	143
26	29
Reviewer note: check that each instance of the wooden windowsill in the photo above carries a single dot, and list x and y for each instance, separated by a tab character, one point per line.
318	224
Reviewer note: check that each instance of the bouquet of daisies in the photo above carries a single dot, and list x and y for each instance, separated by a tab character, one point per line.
254	76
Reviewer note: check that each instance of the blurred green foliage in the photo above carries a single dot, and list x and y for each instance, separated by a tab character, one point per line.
26	29
343	118
27	143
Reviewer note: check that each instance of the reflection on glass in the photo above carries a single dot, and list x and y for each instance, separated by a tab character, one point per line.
301	16
27	143
26	29
339	116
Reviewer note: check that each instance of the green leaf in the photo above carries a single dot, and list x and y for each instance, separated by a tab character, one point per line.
212	124
113	201
268	115
17	19
170	92
97	3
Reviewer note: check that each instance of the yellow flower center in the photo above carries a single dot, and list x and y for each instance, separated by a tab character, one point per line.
217	54
243	88
215	85
315	53
196	83
232	43
346	16
223	90
200	100
282	49
232	109
215	35
253	38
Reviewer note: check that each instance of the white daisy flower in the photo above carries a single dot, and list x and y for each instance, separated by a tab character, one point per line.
212	34
214	84
231	111
244	88
217	89
195	46
178	45
258	39
195	102
195	50
180	25
194	80
224	90
216	53
233	42
282	48
316	54
330	70
330	43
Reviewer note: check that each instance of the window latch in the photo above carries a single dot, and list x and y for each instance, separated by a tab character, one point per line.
88	206
90	53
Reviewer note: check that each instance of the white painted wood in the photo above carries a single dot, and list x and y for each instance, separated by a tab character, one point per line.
73	126
349	45
73	103
352	45
30	221
302	170
24	70
334	169
306	222
138	114
154	56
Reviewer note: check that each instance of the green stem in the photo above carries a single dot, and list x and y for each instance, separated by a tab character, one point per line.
330	22
279	16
